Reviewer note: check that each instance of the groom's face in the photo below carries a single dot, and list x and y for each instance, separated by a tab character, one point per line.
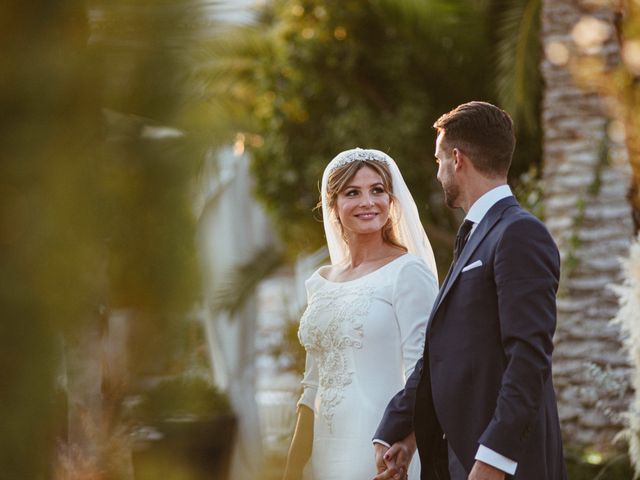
446	172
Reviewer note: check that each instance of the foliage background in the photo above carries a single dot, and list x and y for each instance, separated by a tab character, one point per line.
332	75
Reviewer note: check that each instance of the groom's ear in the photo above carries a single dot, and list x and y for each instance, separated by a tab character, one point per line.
459	158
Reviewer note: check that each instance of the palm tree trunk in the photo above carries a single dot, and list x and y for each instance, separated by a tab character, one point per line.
586	183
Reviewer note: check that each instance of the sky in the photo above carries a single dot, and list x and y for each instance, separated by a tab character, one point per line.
234	10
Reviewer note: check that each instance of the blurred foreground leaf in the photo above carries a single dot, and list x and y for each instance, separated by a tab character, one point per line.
98	149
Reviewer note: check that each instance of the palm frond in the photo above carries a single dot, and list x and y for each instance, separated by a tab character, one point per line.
518	53
244	279
225	74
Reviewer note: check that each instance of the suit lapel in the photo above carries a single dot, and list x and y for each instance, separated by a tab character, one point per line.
486	224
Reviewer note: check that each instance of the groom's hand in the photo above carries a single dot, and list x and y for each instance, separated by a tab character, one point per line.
483	471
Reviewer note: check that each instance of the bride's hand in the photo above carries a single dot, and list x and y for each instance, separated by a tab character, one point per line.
393	463
386	469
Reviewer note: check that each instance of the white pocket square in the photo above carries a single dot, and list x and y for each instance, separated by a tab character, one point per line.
471	266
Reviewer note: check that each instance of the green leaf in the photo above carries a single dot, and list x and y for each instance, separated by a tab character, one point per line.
518	55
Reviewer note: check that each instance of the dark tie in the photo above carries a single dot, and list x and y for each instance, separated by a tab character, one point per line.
461	238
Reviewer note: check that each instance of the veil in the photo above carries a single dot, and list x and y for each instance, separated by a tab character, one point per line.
404	213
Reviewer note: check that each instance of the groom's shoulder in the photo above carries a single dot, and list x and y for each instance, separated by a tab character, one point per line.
522	217
518	222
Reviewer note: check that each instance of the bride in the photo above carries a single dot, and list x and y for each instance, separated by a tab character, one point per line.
363	329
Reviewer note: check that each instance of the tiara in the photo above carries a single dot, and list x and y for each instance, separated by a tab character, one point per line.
358	154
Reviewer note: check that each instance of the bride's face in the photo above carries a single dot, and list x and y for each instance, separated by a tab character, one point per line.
363	205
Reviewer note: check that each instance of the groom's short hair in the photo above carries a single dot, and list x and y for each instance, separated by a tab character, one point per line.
483	132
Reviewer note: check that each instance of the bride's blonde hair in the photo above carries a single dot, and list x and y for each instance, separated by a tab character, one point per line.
340	177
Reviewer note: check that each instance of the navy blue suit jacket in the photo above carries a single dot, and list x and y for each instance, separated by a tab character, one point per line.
485	377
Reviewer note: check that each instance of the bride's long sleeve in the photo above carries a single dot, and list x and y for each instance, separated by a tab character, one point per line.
311	377
414	293
309	384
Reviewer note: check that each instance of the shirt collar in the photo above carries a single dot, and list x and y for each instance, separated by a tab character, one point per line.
482	205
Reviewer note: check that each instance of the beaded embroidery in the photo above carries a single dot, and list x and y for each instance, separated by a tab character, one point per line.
358	154
344	307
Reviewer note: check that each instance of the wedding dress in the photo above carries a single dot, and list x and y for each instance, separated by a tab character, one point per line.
362	338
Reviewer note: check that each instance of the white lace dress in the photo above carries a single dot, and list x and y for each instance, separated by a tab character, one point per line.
362	338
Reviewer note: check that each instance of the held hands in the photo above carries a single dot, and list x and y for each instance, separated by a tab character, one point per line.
393	463
482	471
385	471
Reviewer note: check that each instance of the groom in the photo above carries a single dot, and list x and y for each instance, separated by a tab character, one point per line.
481	401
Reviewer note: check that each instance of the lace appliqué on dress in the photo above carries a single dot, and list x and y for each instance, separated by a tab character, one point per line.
330	325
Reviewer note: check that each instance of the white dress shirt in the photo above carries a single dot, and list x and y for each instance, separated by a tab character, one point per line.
483	204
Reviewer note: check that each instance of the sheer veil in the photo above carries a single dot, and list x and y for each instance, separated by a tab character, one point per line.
404	213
